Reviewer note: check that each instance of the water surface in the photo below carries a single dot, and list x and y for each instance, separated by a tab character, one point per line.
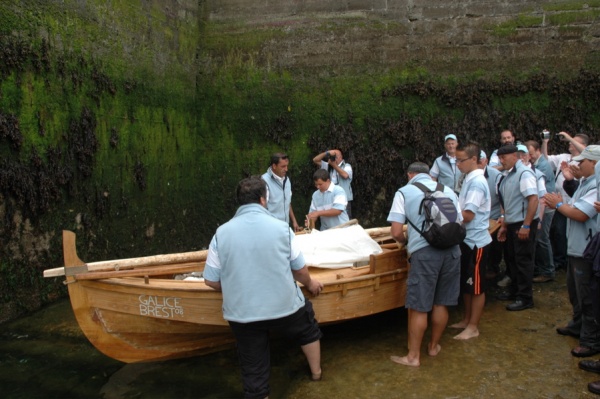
517	355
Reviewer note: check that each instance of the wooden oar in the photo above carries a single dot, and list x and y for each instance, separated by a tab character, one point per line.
131	263
146	271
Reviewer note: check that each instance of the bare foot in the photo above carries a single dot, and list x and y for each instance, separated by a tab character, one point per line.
468	333
434	351
404	360
460	324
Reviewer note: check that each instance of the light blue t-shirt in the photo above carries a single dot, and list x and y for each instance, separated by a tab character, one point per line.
253	256
407	202
578	233
475	197
333	198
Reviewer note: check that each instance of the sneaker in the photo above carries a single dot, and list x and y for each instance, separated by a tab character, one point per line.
505	282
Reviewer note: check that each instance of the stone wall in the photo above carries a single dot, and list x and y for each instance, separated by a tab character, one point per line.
445	36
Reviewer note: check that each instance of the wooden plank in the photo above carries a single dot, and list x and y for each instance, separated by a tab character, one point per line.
119	264
145	271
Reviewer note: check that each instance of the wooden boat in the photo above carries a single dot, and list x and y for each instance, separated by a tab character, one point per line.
133	310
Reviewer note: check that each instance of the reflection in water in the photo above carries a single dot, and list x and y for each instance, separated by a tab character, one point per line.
517	355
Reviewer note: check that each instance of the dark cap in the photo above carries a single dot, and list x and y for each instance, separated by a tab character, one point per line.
507	149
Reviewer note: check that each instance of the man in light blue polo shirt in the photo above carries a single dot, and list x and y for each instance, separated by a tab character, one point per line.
259	291
340	173
581	227
328	202
434	276
280	190
444	168
518	194
475	202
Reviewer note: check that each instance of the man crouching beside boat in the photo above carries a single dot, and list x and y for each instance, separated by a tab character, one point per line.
254	260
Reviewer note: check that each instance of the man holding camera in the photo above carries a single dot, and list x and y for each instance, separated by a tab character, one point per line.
558	229
544	261
340	173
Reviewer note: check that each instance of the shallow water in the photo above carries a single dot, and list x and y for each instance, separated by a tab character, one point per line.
517	355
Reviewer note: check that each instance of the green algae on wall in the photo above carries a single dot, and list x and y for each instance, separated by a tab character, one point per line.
126	135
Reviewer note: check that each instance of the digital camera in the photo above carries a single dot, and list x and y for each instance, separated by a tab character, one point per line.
545	135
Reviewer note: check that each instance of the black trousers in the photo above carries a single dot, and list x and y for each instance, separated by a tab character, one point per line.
558	240
254	350
520	260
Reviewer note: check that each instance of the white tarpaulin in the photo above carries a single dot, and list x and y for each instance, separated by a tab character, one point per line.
337	248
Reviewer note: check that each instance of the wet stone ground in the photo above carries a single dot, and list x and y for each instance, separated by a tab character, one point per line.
517	355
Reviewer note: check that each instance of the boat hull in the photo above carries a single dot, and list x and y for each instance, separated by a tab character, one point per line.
141	319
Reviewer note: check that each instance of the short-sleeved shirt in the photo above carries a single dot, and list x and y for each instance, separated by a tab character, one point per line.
475	197
444	169
332	198
559	178
253	256
406	204
340	181
514	188
578	233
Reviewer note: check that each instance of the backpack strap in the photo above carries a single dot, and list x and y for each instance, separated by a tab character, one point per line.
423	187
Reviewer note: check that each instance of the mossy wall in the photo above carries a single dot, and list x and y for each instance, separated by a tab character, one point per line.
132	122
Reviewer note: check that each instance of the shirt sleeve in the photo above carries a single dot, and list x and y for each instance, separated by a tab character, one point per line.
586	203
339	200
474	199
494	160
435	169
348	169
212	269
397	211
528	184
297	261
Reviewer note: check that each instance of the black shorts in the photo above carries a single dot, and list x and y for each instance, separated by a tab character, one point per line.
473	268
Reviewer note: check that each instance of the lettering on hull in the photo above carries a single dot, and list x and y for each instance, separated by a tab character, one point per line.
164	307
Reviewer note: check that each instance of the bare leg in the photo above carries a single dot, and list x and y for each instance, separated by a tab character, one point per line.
439	319
312	352
417	324
472	329
465	321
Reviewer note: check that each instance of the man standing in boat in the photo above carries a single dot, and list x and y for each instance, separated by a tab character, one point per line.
280	190
259	291
328	202
434	276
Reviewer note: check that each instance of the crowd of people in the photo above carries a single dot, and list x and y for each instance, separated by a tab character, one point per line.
546	207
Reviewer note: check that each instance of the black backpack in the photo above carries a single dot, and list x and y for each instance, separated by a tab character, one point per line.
441	227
